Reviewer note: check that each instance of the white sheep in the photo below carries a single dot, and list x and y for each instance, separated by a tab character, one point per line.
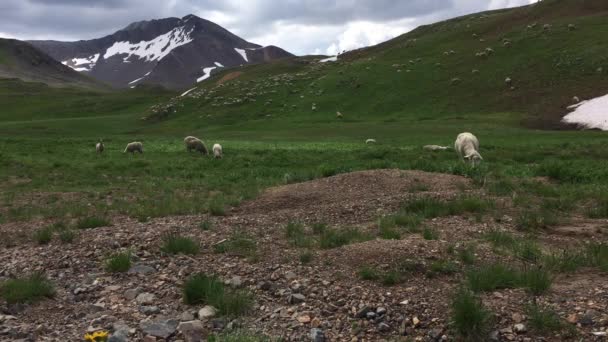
370	141
467	147
576	99
435	148
571	27
196	144
217	151
133	147
508	81
339	115
99	147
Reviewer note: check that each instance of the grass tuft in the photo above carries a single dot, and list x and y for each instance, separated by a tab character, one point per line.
334	238
29	289
118	262
205	225
469	317
43	236
430	234
368	273
176	244
237	245
210	290
67	236
93	222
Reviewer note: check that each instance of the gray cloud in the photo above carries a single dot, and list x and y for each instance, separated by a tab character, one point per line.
301	26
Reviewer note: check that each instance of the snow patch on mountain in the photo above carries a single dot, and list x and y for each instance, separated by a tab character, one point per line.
330	59
82	64
188	92
141	78
153	50
207	74
591	114
243	54
219	64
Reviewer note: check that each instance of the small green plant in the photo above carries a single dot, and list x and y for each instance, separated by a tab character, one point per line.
543	320
492	277
67	236
597	256
334	238
369	273
29	289
469	317
466	255
205	225
296	234
43	236
500	238
306	257
535	280
93	222
203	289
217	206
387	229
237	245
319	228
564	261
535	220
442	267
176	244
430	234
527	250
118	262
410	221
391	278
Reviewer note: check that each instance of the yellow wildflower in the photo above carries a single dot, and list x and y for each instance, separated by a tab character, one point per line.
98	336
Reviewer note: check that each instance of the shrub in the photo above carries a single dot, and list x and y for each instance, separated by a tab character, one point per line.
442	267
27	290
597	256
93	222
430	234
499	238
176	244
534	220
565	261
67	236
319	228
387	229
43	236
469	318
119	262
391	278
217	206
296	234
203	289
410	221
527	250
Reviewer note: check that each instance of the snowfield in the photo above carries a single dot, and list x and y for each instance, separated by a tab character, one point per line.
188	92
82	64
592	114
141	78
330	59
207	74
243	54
153	50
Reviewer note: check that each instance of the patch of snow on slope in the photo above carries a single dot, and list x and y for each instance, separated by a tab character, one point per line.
187	92
591	114
330	59
82	64
243	54
153	50
207	74
141	78
219	64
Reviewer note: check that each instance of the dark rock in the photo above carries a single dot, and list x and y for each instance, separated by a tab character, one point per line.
317	335
363	312
163	328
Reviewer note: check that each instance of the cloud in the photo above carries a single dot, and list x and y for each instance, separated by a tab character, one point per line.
300	26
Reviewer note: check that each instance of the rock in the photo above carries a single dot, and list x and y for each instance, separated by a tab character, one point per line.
383	327
145	298
186	316
381	311
207	312
415	321
149	339
193	331
495	335
141	269
119	336
517	318
317	335
573	318
370	315
149	310
363	312
132	293
315	323
586	320
520	328
265	286
296	298
289	275
236	282
163	328
436	334
304	319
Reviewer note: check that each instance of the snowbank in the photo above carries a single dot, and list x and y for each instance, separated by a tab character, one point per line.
592	114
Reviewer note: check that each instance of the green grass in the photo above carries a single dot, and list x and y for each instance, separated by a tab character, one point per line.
67	236
118	262
466	254
388	229
543	320
177	244
306	257
568	261
442	267
535	280
217	207
238	245
368	273
28	289
535	220
209	290
93	222
500	238
430	234
297	235
205	225
334	238
469	318
43	235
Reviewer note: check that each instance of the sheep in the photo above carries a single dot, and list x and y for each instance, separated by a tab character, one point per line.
455	81
196	144
546	27
507	44
370	141
508	81
576	99
339	115
217	151
467	147
434	148
571	27
99	147
133	147
475	71
489	50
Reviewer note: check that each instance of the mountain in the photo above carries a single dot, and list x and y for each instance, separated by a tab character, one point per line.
172	52
22	61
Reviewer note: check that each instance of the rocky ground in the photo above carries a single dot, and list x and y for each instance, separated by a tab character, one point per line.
324	300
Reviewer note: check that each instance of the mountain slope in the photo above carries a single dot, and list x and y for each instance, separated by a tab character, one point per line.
172	52
453	71
22	61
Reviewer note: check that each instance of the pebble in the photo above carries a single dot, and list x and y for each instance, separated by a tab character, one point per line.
296	298
192	330
317	335
149	310
162	328
520	328
132	293
207	312
145	298
141	269
304	319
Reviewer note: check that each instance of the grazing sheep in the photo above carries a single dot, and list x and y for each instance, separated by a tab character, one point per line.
339	115
217	151
509	81
576	99
370	141
547	27
133	147
467	147
571	27
507	44
475	71
196	144
99	147
455	81
489	51
314	107
434	148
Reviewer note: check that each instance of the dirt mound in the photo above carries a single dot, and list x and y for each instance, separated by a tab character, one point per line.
229	77
344	194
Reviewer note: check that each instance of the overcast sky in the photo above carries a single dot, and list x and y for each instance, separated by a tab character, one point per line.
299	26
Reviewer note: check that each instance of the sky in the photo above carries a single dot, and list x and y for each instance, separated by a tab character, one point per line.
299	26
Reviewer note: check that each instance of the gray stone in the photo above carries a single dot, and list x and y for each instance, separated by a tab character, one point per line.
381	311
141	269
436	334
149	310
186	316
296	298
363	312
132	293
289	275
163	328
383	327
520	328
317	335
370	315
495	335
236	282
193	331
207	312
145	298
119	336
